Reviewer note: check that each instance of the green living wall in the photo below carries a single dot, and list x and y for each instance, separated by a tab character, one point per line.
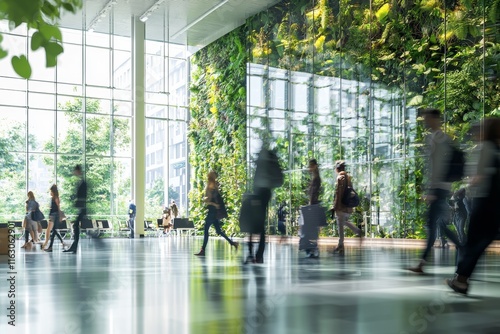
217	132
343	80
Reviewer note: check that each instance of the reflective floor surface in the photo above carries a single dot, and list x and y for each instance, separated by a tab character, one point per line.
156	285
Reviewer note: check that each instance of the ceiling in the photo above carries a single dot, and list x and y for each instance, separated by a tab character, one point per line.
195	23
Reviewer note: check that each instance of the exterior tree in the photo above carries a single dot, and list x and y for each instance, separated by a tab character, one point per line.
104	135
40	16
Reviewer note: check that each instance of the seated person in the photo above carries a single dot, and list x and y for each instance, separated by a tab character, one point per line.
167	220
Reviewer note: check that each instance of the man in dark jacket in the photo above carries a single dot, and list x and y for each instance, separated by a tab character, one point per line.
81	206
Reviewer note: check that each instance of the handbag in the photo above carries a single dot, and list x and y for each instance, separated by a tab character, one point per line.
221	211
350	197
37	215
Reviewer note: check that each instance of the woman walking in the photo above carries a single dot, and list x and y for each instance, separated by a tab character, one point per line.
214	203
54	217
31	226
342	212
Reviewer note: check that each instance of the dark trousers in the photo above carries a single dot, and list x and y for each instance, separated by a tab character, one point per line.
55	231
264	195
483	228
438	217
209	221
76	229
262	245
131	224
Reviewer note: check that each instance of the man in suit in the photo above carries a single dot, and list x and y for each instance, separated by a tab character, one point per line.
81	206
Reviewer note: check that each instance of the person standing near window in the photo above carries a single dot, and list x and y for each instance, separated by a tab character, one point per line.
132	211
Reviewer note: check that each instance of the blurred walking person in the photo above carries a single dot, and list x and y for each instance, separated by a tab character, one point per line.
81	206
438	188
132	211
216	211
54	219
342	212
30	225
485	216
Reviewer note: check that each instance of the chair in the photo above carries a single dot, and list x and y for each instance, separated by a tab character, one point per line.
66	229
149	227
184	225
159	227
90	228
103	226
123	227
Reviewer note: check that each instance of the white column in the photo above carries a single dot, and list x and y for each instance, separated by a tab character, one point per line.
139	123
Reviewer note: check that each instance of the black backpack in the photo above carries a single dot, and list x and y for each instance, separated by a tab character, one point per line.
456	165
350	197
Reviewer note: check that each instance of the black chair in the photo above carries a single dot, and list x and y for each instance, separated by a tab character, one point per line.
184	225
123	227
103	225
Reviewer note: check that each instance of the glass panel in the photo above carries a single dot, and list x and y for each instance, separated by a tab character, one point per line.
42	101
41	130
13	97
41	86
13	128
13	83
13	193
122	72
122	135
39	69
122	183
71	36
16	46
70	64
177	82
20	30
97	135
41	176
122	108
70	130
98	38
98	92
155	80
97	66
99	177
155	48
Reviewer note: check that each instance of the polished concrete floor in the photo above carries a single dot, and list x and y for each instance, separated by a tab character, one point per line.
156	285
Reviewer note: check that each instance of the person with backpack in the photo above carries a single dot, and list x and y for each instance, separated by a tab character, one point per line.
341	206
485	216
440	156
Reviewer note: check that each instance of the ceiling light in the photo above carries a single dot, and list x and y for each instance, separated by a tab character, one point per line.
102	14
145	16
189	26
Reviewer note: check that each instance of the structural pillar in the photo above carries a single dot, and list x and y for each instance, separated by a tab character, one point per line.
139	123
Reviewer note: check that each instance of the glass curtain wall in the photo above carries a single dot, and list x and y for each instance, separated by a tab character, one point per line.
82	112
166	120
335	80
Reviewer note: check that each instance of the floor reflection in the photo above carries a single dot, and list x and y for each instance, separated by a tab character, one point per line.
156	285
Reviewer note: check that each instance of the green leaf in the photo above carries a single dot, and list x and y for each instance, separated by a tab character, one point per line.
382	13
52	50
68	7
21	66
37	40
3	53
49	31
